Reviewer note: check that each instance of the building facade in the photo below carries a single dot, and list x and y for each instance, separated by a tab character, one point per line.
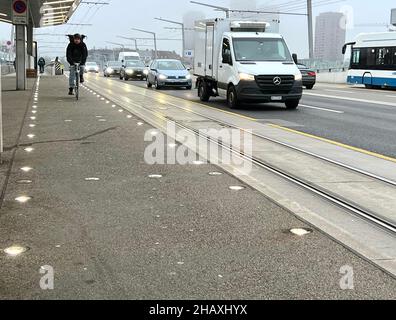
329	36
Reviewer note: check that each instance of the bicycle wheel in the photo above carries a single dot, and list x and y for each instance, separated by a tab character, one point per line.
77	85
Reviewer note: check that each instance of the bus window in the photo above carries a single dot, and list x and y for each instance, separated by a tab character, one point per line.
356	57
371	57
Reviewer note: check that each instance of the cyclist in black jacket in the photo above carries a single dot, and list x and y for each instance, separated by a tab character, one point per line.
77	52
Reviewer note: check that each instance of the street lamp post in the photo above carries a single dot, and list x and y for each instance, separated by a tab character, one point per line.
226	10
155	39
133	39
183	31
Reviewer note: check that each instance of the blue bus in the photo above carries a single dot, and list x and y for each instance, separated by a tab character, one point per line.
373	60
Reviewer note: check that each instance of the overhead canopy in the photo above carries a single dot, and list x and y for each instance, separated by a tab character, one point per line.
43	13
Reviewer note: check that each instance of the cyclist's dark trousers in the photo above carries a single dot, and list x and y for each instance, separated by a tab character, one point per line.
41	68
72	76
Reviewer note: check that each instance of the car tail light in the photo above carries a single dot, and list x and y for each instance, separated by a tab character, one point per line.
312	74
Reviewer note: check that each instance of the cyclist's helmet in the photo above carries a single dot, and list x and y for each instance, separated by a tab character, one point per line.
77	36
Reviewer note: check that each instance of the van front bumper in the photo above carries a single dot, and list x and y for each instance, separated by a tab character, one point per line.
249	91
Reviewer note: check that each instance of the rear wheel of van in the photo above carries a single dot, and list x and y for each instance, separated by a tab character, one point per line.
310	87
292	104
232	98
149	84
203	92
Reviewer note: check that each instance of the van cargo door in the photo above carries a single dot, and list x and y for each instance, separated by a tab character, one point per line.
209	58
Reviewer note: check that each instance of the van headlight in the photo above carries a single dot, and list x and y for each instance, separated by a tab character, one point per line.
130	71
298	77
109	70
246	77
162	77
145	72
188	77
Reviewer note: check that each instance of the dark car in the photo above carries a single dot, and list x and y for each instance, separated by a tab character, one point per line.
133	69
308	75
112	68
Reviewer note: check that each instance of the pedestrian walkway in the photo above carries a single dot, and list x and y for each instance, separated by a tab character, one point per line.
114	227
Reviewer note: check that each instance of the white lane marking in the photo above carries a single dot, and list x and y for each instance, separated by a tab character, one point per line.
341	91
383	103
391	96
322	109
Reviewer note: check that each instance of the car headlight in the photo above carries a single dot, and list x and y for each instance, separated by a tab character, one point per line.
109	70
246	77
162	77
130	71
298	77
96	68
188	77
146	72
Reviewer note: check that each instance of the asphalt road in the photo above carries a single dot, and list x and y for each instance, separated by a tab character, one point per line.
349	115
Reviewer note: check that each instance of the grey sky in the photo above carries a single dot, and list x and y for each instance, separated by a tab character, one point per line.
118	17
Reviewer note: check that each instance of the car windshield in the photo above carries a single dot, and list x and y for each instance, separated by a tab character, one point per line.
261	50
115	64
170	65
135	64
92	64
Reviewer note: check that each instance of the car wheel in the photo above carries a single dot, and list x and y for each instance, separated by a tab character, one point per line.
126	78
203	92
232	98
189	87
310	87
292	104
149	84
157	86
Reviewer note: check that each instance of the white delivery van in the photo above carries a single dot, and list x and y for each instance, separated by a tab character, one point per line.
240	61
128	56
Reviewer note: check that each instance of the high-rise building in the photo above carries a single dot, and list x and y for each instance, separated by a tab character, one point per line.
329	36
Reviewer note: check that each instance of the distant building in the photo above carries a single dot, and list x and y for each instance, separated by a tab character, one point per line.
329	36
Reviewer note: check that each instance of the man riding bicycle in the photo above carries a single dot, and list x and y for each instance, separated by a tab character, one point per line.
77	52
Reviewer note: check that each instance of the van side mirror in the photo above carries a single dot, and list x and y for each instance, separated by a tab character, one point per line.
227	59
295	58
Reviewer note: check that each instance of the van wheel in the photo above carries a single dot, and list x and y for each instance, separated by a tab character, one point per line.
310	87
232	98
292	104
203	92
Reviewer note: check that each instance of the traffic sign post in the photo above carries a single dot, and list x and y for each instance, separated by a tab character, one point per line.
19	12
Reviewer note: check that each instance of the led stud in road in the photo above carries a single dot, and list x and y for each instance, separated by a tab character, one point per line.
237	188
34	111
30	136
120	110
300	231
24	181
15	250
155	176
198	163
34	107
113	106
29	149
129	116
32	125
140	123
26	169
23	199
92	179
215	173
32	118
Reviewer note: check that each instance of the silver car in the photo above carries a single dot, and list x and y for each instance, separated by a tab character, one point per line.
168	73
91	67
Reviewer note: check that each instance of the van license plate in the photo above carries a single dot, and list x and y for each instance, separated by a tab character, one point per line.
276	98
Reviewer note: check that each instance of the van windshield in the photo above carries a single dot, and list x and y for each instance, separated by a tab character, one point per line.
132	58
261	50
